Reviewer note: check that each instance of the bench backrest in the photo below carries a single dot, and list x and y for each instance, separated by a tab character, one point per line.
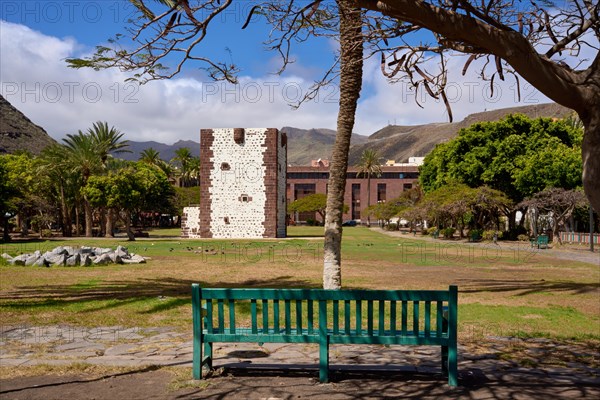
340	312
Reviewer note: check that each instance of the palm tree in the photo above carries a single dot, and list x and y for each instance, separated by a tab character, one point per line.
183	156
84	159
193	172
108	140
351	68
369	166
54	163
150	156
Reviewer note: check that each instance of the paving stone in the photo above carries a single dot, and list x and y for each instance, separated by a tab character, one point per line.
121	349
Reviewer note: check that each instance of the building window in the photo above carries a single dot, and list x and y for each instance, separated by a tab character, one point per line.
304	189
407	186
381	192
355	209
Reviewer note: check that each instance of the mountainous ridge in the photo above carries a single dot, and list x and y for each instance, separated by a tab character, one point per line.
393	142
19	133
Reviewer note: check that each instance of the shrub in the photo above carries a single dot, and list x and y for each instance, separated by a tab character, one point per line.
515	232
522	238
489	235
475	235
448	232
392	227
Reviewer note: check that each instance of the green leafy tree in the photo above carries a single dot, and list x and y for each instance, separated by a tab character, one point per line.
517	155
369	165
556	203
316	202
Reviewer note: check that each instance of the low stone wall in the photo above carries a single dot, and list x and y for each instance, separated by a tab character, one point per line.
190	223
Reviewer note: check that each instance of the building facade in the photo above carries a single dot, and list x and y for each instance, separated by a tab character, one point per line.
305	180
243	183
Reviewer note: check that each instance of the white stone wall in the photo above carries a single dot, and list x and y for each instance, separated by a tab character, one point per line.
191	225
281	187
230	216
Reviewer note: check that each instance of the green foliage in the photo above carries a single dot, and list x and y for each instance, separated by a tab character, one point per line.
185	197
448	232
490	234
312	203
516	155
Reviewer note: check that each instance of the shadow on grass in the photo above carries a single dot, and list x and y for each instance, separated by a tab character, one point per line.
527	287
175	292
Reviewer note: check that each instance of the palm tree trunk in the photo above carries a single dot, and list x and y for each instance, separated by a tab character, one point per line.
351	65
88	217
67	230
368	198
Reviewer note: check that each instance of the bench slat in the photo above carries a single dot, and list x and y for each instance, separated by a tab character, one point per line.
322	294
310	316
347	316
299	316
276	316
393	317
231	316
336	317
221	315
381	317
415	317
370	317
253	315
427	318
209	315
265	315
358	316
404	316
288	317
439	317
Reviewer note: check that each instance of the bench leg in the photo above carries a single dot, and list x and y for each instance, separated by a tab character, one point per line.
197	356
208	355
452	365
445	360
324	359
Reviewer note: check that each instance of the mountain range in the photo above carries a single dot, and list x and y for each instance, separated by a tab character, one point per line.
393	142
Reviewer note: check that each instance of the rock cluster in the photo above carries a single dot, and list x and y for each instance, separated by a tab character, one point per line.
70	256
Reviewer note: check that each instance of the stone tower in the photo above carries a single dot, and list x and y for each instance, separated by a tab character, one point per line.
243	183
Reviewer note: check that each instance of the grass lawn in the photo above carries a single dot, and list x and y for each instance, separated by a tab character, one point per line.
501	292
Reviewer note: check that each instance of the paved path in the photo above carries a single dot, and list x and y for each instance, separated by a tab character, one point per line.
579	253
499	360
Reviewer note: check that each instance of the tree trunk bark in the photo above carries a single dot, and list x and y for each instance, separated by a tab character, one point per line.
67	229
351	65
110	219
368	198
130	235
590	152
77	226
88	218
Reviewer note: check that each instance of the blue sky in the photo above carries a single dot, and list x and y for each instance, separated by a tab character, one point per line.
36	37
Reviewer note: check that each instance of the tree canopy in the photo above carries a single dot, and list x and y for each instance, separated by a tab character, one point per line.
518	156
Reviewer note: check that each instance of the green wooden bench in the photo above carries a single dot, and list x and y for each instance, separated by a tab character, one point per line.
541	242
403	317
